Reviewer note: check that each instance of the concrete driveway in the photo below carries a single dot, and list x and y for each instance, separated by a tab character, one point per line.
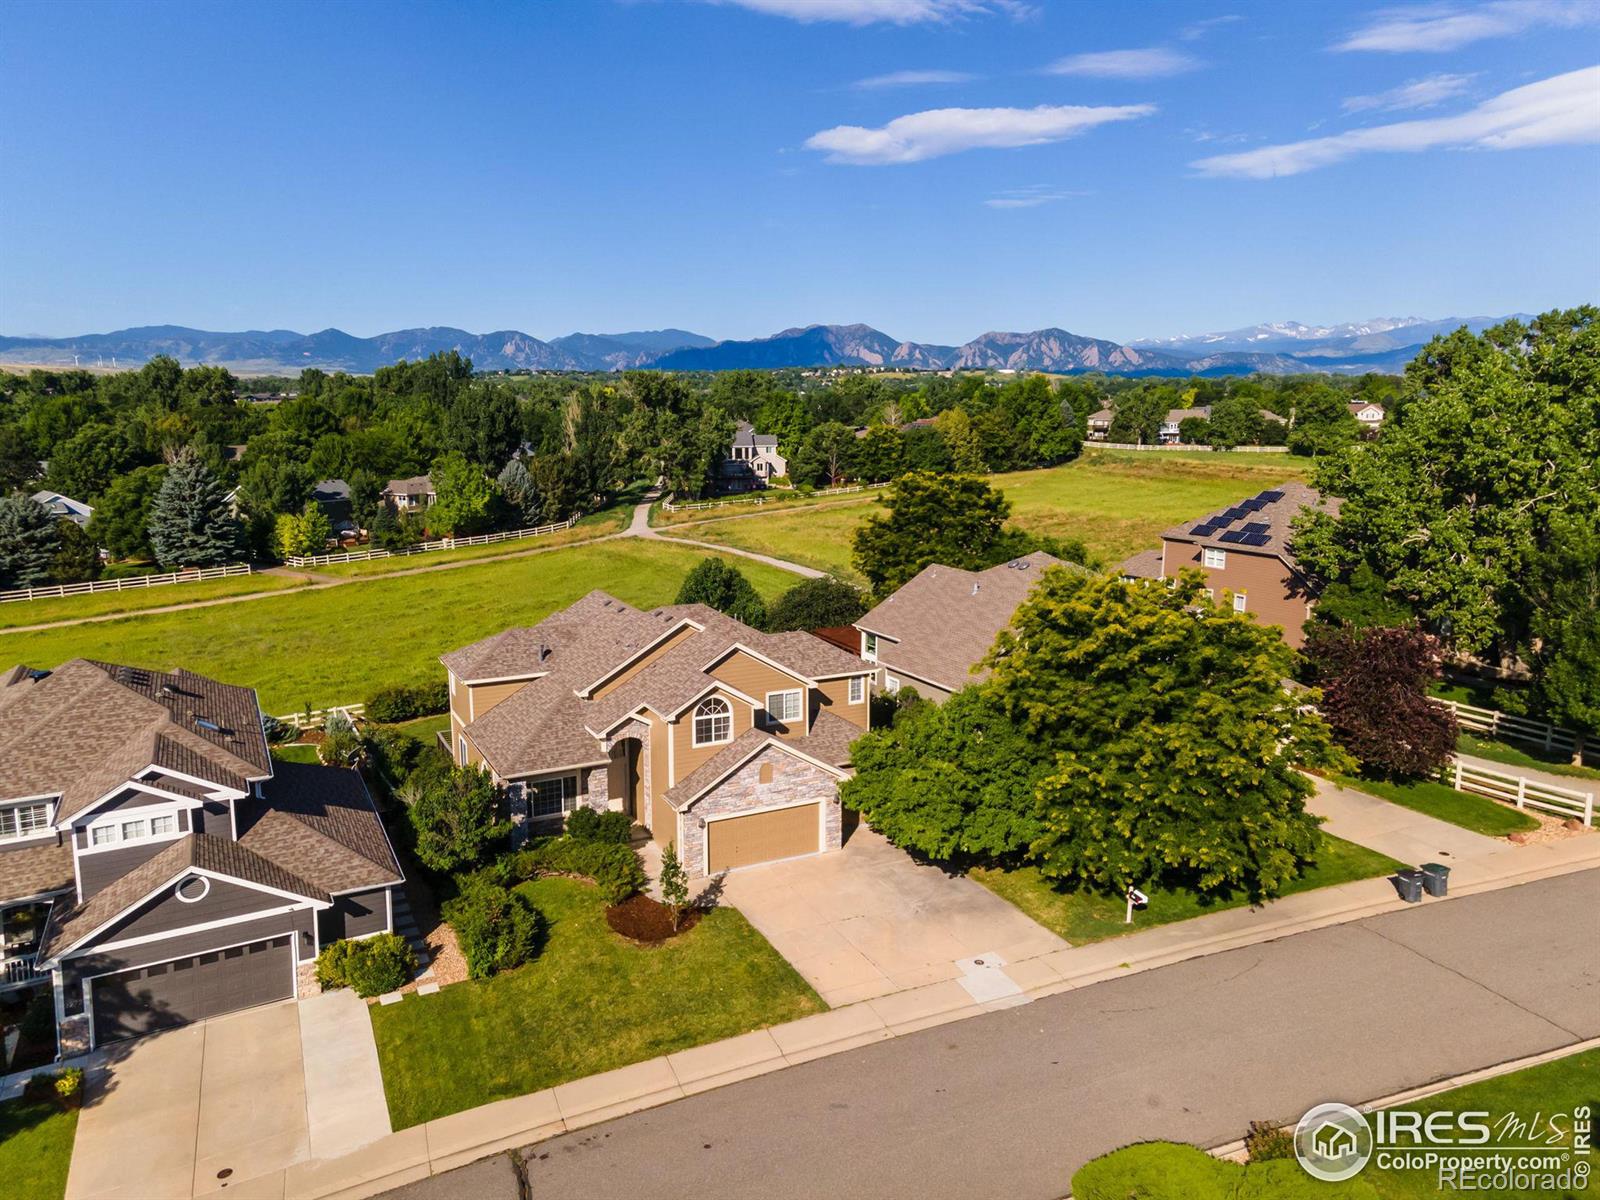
183	1113
866	921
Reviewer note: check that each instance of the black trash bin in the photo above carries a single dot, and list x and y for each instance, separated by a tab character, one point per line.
1409	885
1436	879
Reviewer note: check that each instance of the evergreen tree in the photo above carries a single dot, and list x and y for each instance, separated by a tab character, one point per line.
190	521
29	540
521	496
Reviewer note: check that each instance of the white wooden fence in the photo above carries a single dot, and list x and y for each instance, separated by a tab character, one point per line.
479	539
1528	730
1521	791
760	498
1091	445
318	717
131	583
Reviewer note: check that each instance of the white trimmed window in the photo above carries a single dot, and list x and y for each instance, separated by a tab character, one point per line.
869	647
461	742
890	683
553	797
146	827
713	722
1212	557
23	820
1240	602
783	707
858	689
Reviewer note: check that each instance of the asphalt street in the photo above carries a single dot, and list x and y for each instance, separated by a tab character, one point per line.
1010	1104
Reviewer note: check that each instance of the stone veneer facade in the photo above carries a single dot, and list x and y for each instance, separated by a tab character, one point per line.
793	780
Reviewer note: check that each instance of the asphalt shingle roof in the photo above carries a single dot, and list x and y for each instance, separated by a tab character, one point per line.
946	619
320	823
34	870
1277	515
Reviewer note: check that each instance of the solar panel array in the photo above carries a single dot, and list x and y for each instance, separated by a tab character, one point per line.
1253	533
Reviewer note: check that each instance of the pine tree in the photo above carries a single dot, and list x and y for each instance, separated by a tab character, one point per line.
28	542
674	883
190	521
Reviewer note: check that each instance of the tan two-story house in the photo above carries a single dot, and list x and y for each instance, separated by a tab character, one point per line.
1246	553
724	741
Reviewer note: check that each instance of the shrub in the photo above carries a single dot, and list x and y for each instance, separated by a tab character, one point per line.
394	704
615	870
394	753
337	721
369	966
498	928
278	731
341	749
454	817
817	604
587	825
1267	1140
69	1085
38	1022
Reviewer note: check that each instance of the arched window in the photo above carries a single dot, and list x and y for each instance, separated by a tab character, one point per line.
713	722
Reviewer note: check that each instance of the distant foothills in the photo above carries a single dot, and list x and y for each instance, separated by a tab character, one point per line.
1285	348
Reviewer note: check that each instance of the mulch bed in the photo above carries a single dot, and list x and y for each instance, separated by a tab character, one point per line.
641	919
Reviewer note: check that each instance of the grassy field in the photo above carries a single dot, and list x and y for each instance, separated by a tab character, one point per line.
336	645
1477	813
35	1148
1082	917
1117	503
772	501
69	608
591	1002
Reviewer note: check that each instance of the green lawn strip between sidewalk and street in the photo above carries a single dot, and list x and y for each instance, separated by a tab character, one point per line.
338	645
1082	917
1431	798
590	1002
35	1149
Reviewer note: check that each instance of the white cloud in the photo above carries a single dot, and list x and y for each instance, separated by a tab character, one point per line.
913	79
941	131
1199	29
1152	62
1419	93
872	12
1561	110
1440	27
1031	196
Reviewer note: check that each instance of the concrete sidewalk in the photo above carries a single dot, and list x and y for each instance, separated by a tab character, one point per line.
1399	832
414	1154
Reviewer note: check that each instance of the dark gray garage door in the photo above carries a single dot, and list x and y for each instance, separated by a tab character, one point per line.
130	1003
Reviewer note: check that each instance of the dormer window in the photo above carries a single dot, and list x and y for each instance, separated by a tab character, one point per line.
24	820
713	722
869	647
115	831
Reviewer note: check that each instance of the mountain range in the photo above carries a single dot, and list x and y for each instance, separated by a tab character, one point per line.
1283	348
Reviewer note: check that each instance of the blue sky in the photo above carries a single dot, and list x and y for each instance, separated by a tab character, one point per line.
935	168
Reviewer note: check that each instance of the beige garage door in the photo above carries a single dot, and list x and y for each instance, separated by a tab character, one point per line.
762	837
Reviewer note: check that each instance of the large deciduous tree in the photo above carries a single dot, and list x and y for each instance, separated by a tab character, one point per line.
825	603
1565	589
1375	697
463	496
957	520
121	521
722	586
191	524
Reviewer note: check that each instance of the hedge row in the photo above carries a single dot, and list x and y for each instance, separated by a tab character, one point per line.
391	705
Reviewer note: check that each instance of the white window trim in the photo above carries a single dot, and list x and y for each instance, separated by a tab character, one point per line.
858	689
39	830
1241	602
869	646
1212	557
890	683
116	819
461	748
694	723
772	717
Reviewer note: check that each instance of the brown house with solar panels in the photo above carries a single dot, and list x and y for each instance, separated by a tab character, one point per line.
1245	552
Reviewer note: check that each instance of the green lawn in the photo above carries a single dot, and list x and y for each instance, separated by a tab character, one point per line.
1082	917
1516	756
296	754
35	1148
69	608
1117	503
337	645
1169	1171
1477	813
610	520
591	1002
426	728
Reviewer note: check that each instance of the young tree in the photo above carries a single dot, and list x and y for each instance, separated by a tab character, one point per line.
674	884
1177	746
464	493
77	556
29	540
720	585
190	521
1375	698
121	521
305	532
957	520
454	818
825	603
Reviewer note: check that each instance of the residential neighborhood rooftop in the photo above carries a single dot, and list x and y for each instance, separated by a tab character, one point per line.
1262	524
